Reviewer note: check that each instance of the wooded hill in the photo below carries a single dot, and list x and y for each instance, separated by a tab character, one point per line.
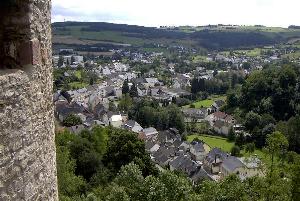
217	37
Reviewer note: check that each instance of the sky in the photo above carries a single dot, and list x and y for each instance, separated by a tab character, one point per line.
179	12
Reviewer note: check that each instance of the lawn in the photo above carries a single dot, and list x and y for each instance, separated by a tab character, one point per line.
77	85
213	141
222	143
207	102
200	58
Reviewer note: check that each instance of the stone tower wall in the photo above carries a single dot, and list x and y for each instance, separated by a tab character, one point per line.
27	148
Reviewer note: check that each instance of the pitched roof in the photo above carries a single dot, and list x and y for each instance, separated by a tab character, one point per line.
201	175
219	103
150	131
198	147
216	153
231	163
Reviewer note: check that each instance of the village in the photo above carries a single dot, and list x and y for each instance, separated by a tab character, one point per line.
97	104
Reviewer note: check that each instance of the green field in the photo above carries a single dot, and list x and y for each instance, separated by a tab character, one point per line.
250	53
77	85
207	102
295	55
222	143
213	141
200	58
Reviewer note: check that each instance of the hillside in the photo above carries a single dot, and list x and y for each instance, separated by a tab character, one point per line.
84	35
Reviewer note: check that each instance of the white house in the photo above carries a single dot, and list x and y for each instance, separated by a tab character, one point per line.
116	121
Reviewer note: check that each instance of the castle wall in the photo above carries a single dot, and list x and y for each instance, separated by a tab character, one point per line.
27	148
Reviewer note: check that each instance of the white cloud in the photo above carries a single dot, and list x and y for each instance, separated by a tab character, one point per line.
180	12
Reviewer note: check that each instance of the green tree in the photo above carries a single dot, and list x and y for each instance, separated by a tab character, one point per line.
178	187
250	148
60	61
112	107
130	176
231	134
88	160
68	183
246	65
124	147
125	87
235	151
252	120
72	120
117	193
133	91
125	103
276	144
154	189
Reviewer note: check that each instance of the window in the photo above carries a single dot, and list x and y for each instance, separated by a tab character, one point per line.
16	48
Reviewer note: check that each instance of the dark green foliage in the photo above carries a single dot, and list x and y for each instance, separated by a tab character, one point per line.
125	87
197	85
231	135
273	91
72	120
252	120
291	129
112	107
235	151
68	183
246	65
93	158
133	91
250	148
149	113
124	177
125	103
123	148
277	145
60	61
232	99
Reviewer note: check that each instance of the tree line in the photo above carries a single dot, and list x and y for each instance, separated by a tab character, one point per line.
111	164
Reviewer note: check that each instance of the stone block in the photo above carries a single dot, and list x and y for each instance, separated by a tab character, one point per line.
29	52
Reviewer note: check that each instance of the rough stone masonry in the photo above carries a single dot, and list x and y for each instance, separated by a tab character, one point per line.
27	148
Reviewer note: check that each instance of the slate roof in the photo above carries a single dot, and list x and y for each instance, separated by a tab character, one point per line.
185	164
167	135
231	163
149	144
216	153
64	109
200	176
149	131
219	103
130	123
199	147
195	113
252	162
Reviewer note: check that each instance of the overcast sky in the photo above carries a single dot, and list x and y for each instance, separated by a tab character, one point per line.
179	12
